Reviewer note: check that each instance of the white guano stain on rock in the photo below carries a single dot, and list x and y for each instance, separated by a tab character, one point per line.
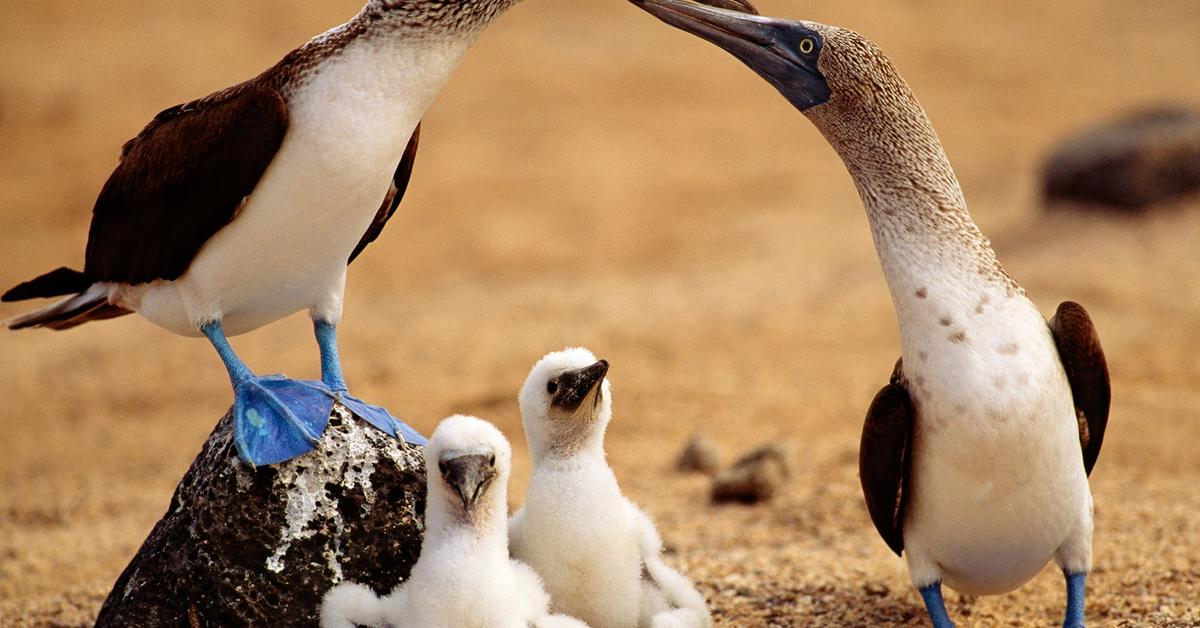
351	453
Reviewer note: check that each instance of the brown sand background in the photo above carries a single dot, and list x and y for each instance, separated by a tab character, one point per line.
592	177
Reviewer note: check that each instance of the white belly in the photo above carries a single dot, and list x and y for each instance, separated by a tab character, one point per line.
998	484
579	537
285	252
463	586
287	249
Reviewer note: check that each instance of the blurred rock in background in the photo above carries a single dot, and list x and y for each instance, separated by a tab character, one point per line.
1147	157
700	455
755	477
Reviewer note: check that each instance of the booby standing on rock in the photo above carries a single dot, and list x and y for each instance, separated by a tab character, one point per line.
974	460
598	554
464	576
243	207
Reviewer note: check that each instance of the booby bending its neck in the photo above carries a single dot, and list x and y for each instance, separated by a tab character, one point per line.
243	207
974	460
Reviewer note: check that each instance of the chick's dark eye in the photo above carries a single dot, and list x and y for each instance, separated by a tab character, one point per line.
552	387
492	460
442	467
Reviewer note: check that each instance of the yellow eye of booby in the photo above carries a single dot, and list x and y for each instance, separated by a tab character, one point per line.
807	45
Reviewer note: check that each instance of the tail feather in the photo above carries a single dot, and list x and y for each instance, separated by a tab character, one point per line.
89	305
56	283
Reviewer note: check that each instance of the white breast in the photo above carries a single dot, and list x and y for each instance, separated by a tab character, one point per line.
577	534
287	248
462	583
998	483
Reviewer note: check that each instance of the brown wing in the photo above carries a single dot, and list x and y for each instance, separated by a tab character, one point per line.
394	196
1087	371
180	181
884	458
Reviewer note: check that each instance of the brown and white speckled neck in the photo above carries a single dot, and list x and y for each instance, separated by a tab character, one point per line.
918	216
412	22
438	17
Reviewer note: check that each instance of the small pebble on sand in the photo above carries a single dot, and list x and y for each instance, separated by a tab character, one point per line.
755	477
700	455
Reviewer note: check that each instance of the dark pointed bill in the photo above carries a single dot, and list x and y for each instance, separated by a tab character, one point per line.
468	472
732	5
575	386
784	52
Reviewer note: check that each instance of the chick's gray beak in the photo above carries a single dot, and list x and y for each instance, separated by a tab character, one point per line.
771	47
573	387
468	472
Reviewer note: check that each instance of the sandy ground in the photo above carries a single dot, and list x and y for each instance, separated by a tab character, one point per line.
592	177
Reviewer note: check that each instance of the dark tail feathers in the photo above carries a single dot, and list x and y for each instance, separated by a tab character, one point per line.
55	283
88	301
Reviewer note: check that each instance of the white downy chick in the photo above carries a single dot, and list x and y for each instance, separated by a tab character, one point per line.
597	553
464	577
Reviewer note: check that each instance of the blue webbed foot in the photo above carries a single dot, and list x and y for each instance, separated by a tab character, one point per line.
276	418
382	419
932	595
331	374
1075	599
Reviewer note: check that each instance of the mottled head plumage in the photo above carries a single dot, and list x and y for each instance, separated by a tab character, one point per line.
784	52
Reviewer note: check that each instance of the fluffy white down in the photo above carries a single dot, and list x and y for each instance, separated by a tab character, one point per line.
349	605
464	577
587	541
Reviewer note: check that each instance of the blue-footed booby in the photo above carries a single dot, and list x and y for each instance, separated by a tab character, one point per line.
598	553
465	576
235	210
975	459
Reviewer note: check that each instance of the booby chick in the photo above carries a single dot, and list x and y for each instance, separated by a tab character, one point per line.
464	577
974	460
245	206
599	555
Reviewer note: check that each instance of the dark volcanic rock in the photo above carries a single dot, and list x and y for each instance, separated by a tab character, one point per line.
1131	163
260	547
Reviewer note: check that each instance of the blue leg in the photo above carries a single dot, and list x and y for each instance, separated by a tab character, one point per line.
1075	597
274	418
331	374
932	595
